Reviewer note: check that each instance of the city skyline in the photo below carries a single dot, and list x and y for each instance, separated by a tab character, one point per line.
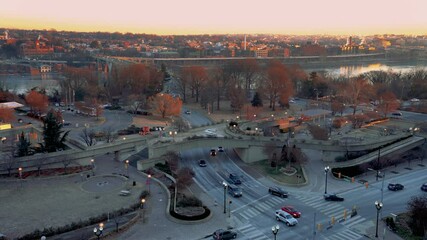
188	17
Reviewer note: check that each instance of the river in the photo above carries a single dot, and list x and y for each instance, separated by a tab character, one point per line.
21	83
50	81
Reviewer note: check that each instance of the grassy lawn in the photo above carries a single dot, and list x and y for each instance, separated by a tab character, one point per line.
265	169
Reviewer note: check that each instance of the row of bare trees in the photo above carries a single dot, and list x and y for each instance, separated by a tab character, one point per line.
235	80
277	82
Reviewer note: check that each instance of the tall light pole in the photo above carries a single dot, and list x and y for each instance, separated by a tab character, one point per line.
275	230
127	168
378	205
149	183
142	209
98	231
378	162
229	208
92	163
225	197
326	179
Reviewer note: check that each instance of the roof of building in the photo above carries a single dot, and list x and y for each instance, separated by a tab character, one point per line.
10	105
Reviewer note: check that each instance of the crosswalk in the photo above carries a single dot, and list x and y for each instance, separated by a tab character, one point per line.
344	234
252	233
330	209
256	209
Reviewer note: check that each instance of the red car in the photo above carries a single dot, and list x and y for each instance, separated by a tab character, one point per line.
292	211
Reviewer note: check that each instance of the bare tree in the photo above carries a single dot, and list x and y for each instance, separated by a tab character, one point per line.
172	159
184	177
109	135
88	136
181	125
66	161
318	133
39	164
270	150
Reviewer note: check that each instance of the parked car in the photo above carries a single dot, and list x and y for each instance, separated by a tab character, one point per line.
424	187
234	191
278	192
224	234
202	163
397	114
234	179
333	197
286	218
188	112
415	100
292	211
395	186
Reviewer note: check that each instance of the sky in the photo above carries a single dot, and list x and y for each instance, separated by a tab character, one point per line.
163	17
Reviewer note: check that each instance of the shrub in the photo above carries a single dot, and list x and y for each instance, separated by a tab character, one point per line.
189	202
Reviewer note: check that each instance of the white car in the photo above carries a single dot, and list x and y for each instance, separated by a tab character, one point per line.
286	218
210	132
415	100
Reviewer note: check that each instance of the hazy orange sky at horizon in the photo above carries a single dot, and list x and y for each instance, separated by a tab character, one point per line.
362	17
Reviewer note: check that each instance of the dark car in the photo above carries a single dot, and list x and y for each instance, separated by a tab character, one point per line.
224	234
395	186
292	211
213	152
234	191
234	179
188	112
278	192
333	197
202	163
424	187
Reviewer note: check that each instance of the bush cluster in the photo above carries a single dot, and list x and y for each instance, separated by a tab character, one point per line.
189	202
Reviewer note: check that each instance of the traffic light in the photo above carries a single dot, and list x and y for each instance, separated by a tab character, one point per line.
366	184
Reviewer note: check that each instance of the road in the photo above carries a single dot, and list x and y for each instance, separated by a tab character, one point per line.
252	215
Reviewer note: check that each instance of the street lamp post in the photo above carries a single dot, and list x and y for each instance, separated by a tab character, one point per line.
98	231
225	197
378	162
229	208
275	230
142	209
127	168
92	163
149	182
378	205
326	179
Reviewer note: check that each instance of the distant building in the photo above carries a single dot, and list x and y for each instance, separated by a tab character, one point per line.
313	50
261	53
45	69
36	48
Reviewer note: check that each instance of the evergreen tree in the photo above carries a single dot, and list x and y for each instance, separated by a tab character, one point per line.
52	133
23	145
256	101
